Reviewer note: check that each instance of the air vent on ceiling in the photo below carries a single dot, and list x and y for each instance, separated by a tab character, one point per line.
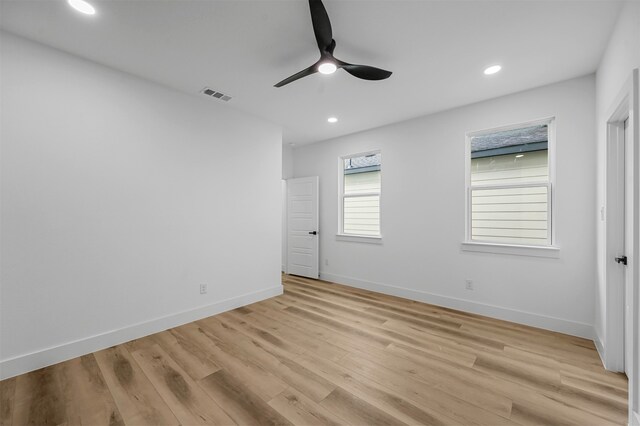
218	95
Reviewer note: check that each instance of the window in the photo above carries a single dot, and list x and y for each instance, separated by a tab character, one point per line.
509	185
360	194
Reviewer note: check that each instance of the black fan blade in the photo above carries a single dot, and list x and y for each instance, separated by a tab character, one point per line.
311	70
321	24
364	72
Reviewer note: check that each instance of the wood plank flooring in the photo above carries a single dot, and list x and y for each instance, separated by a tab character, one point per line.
326	354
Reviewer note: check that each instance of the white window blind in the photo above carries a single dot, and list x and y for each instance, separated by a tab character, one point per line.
510	188
360	198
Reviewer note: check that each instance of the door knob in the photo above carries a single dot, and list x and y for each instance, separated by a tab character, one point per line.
313	233
622	259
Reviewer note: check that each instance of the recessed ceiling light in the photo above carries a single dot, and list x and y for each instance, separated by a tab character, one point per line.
82	7
492	69
332	120
327	68
519	155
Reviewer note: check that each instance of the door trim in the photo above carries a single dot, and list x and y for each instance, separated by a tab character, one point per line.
626	105
634	133
285	224
614	237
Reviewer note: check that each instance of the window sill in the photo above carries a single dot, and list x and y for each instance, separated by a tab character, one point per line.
512	249
359	238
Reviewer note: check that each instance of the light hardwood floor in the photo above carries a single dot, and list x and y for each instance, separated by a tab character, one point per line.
325	354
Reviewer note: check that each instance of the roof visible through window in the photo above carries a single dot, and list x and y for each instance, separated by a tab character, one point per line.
525	139
363	163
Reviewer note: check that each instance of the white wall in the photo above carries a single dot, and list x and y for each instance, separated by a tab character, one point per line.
119	198
620	58
287	162
423	209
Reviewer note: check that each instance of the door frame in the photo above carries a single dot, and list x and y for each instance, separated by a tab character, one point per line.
625	106
615	234
285	224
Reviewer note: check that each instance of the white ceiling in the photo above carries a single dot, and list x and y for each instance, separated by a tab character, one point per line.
436	49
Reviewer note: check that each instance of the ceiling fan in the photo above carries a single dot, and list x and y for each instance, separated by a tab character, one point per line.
328	64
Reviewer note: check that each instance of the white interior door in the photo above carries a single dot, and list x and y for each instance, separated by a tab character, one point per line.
302	226
628	249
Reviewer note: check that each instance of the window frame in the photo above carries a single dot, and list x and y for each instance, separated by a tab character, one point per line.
341	236
548	250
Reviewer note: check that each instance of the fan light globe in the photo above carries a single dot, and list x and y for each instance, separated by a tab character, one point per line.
332	120
82	7
327	68
492	69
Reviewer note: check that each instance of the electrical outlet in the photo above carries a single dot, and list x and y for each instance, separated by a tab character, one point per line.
469	284
203	288
326	262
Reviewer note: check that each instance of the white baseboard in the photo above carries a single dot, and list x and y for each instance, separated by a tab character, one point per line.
32	361
521	317
600	347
